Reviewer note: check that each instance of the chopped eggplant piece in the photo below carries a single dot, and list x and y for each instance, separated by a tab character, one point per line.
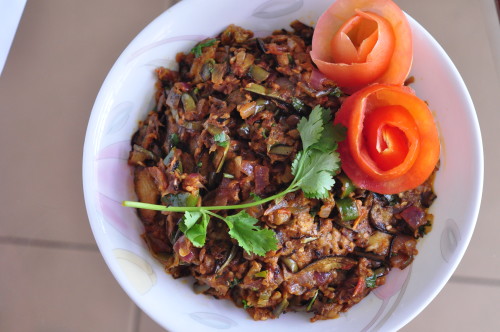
281	149
381	217
328	264
379	243
147	192
139	155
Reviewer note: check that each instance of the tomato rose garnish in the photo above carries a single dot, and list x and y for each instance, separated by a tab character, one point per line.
392	143
360	42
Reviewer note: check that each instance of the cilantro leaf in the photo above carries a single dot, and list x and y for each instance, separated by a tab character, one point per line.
296	163
316	175
252	238
194	226
198	49
311	129
221	139
331	134
327	141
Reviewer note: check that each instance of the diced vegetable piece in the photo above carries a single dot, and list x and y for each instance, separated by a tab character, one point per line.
180	199
371	281
261	274
256	88
221	139
308	239
380	271
193	125
213	130
290	263
347	208
263	299
170	156
263	91
281	149
207	69
248	109
280	308
379	243
328	264
188	102
414	217
139	155
223	159
347	186
258	73
147	192
174	140
381	217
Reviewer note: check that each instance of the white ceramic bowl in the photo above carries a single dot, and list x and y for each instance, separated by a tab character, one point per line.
127	95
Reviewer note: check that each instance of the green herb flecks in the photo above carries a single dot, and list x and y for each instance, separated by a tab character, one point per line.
371	281
245	304
221	139
313	168
174	139
233	282
198	49
337	92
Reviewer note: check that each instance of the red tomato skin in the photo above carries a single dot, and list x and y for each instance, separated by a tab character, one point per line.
351	115
358	75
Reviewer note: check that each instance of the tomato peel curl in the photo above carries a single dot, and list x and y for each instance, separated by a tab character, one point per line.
390	58
402	110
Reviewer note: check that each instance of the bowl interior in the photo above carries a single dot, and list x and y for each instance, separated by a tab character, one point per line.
127	95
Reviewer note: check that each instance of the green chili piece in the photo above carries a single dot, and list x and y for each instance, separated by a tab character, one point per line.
347	186
347	208
261	274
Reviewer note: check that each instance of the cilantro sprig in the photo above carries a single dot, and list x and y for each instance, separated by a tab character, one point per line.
314	169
